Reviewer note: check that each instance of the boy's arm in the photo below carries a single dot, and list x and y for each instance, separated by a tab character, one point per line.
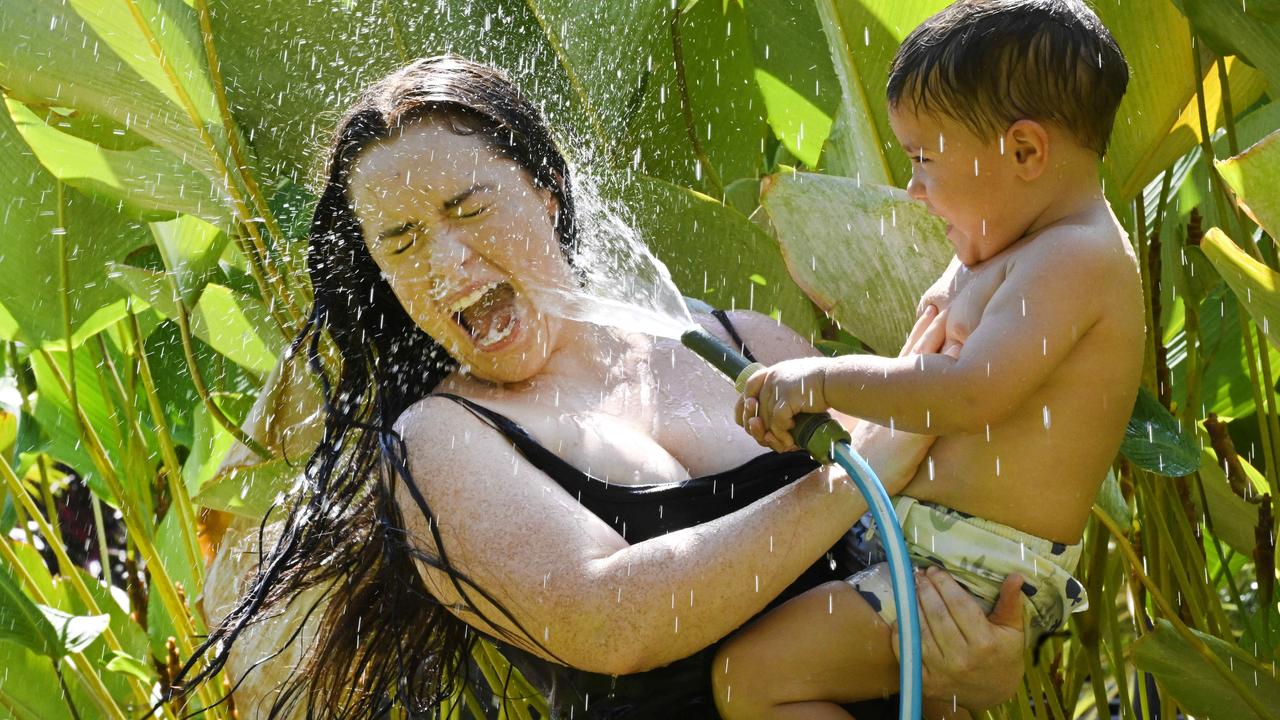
1047	302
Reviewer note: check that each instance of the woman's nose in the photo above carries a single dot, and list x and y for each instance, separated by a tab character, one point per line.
448	252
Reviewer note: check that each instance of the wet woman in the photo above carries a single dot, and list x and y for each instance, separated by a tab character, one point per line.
579	493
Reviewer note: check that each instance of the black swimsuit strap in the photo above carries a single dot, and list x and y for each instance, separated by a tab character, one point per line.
759	475
723	317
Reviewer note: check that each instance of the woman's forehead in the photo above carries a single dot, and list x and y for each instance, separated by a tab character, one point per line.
429	156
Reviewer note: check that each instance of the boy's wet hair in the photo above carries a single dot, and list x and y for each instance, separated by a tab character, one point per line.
990	63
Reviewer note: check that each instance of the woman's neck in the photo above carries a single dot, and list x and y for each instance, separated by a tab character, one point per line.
585	356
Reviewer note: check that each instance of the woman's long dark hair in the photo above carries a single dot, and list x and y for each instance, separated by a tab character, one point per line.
383	638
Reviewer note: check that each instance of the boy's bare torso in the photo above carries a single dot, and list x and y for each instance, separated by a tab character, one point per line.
1038	468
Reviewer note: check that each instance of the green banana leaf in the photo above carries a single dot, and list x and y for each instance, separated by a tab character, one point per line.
796	79
864	253
39	216
1254	176
716	254
863	37
233	323
1255	285
1250	30
148	180
1157	121
41	629
1197	687
139	63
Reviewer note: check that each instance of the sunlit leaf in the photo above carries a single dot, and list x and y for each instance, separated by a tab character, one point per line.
129	665
1234	520
36	218
144	71
1254	176
794	72
1156	121
1248	29
712	252
249	490
863	37
1255	285
1154	441
75	632
21	620
865	254
26	686
1190	679
149	180
232	323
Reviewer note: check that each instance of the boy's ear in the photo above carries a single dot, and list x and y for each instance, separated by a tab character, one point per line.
1027	144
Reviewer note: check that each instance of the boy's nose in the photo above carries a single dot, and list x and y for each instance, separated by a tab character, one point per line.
916	189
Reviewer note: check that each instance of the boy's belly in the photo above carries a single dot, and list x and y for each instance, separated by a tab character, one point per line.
1038	477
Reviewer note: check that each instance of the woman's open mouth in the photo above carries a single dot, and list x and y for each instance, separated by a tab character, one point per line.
488	314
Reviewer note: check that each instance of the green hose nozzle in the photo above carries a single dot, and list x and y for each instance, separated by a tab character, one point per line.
815	432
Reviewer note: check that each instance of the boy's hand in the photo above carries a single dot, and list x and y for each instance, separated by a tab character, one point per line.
776	394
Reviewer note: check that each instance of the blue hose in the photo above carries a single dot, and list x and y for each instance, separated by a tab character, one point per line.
901	575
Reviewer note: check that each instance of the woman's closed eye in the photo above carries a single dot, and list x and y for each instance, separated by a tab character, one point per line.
460	212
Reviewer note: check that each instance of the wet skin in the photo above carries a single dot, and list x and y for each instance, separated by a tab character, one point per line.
443	214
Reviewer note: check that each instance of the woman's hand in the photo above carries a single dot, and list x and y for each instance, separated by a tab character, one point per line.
971	660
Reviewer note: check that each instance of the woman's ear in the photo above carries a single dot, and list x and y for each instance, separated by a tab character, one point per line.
1026	142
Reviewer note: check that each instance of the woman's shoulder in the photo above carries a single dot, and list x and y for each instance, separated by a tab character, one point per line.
770	340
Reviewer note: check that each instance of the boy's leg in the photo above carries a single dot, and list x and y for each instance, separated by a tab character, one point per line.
824	647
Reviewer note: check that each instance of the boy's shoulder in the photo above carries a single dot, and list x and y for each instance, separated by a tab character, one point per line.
1087	244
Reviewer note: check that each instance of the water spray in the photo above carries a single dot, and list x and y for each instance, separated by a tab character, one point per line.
827	441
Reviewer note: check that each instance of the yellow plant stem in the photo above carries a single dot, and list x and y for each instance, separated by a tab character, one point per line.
265	273
1168	613
161	581
1255	384
168	454
173	474
197	379
66	567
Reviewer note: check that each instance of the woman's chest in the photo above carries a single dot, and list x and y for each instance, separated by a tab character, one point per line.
671	423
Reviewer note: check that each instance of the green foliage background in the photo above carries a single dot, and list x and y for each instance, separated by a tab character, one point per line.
156	165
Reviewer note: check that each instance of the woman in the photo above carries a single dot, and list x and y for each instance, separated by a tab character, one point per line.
577	492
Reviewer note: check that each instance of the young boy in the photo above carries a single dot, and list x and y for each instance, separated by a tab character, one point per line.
1005	108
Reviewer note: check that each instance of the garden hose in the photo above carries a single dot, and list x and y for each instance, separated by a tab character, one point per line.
826	440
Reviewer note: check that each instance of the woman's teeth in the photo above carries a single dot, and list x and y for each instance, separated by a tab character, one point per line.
472	297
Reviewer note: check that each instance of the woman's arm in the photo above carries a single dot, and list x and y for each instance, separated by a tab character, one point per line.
574	585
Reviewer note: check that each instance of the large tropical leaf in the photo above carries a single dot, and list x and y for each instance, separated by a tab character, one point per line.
1157	121
1190	679
864	253
1254	176
39	219
1154	441
22	621
718	255
149	180
1255	285
233	323
138	62
1248	29
794	72
863	37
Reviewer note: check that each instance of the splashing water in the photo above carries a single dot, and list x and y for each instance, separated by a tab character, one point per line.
625	284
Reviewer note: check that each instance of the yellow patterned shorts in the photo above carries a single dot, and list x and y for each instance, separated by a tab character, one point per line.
979	554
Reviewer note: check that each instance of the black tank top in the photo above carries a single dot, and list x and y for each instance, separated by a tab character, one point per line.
640	512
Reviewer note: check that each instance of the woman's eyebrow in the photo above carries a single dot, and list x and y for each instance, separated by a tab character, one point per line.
461	197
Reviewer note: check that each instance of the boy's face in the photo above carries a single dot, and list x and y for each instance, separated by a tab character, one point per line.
965	180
